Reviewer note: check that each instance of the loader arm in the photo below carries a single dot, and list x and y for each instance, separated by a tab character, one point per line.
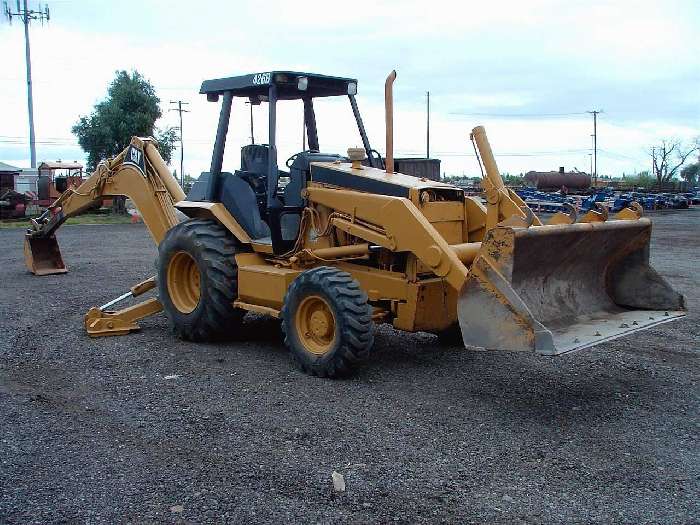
398	226
522	285
502	203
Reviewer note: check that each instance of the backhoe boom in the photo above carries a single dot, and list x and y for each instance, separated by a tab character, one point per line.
138	173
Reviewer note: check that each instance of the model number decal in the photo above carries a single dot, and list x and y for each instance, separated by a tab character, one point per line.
261	78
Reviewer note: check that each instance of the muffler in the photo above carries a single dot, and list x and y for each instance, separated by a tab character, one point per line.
42	255
559	288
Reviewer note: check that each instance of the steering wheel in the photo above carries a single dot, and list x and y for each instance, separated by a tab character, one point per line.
378	157
291	159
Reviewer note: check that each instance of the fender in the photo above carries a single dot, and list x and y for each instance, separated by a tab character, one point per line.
215	211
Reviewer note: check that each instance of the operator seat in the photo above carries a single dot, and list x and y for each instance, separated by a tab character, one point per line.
254	158
238	198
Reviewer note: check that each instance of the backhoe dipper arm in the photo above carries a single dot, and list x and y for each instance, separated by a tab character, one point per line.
138	173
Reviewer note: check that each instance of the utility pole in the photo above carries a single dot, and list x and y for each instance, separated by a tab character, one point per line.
595	113
427	129
27	15
182	144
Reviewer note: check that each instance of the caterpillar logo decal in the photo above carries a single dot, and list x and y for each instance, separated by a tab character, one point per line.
134	157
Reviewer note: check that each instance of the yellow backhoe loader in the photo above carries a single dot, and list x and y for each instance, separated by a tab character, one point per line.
339	243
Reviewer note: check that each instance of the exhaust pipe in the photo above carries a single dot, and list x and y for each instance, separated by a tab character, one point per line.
389	117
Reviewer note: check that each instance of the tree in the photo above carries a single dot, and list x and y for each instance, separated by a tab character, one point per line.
690	173
668	158
643	179
131	108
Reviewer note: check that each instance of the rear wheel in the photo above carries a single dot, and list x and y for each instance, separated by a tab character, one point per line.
327	322
198	280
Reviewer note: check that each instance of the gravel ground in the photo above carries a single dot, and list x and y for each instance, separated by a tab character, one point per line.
146	428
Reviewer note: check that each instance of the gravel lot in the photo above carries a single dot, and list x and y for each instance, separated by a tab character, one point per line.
146	428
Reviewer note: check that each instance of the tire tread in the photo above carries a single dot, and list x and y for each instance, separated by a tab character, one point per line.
351	305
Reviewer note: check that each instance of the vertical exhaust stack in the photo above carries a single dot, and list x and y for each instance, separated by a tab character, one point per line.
389	117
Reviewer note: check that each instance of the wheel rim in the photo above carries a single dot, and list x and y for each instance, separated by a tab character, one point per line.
183	282
315	324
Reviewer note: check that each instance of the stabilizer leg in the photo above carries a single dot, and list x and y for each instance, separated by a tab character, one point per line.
102	322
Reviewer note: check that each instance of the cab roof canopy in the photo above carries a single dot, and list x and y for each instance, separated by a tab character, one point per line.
291	85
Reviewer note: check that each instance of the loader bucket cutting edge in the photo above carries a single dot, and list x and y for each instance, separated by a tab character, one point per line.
555	289
43	256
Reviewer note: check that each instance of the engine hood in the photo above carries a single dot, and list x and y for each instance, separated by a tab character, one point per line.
372	180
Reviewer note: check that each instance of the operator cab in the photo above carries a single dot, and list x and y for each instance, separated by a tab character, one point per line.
270	212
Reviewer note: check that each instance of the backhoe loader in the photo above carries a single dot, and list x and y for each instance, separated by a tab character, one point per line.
335	244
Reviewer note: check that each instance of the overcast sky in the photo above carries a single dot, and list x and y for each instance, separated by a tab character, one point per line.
527	70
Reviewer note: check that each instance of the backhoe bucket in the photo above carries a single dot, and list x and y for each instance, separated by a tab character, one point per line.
555	289
43	256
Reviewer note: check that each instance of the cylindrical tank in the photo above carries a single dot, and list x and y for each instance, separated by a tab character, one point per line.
554	180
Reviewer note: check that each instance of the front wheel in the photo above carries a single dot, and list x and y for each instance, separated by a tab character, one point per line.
327	322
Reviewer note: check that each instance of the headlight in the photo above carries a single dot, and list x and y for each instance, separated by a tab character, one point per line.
302	83
352	88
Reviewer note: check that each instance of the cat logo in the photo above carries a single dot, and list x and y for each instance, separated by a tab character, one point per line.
134	157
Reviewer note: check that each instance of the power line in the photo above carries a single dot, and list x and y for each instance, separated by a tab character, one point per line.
614	154
518	115
506	154
27	15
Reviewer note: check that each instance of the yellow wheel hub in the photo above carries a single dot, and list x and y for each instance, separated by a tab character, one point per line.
183	282
315	324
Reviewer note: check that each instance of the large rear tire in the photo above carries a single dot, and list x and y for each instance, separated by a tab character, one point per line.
327	322
198	280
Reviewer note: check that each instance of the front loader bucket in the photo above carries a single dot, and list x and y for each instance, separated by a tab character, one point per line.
43	256
555	289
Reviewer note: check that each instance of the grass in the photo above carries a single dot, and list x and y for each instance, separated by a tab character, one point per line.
88	218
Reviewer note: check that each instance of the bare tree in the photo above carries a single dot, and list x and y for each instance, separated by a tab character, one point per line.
668	159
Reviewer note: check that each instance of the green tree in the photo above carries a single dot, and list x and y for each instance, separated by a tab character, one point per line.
691	173
643	179
131	108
